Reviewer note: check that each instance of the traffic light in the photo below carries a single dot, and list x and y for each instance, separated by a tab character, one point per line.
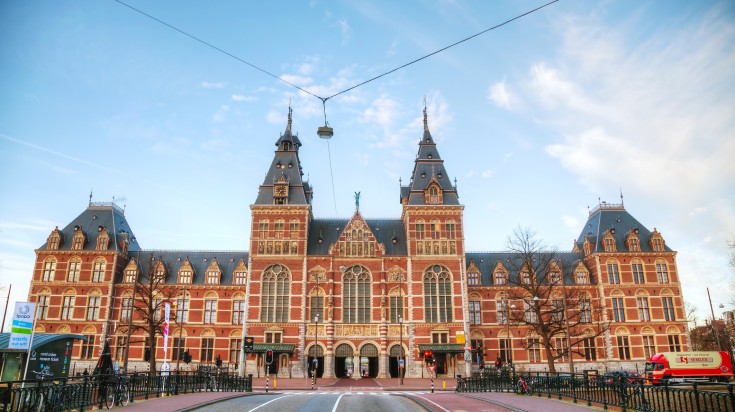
187	357
147	354
248	344
268	357
428	356
218	361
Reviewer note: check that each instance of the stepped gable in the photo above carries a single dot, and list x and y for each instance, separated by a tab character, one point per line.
323	233
98	219
429	169
286	168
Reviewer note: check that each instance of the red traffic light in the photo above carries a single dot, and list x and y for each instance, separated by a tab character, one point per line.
269	357
428	356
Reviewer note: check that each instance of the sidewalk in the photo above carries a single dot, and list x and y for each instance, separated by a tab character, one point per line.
443	399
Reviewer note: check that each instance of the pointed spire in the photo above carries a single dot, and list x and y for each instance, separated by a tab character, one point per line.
90	196
426	118
288	125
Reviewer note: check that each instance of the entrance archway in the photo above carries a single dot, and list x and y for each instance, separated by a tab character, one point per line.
393	361
369	360
343	356
319	361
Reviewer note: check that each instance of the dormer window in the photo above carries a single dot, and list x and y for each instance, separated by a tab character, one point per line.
186	273
473	278
433	194
54	240
657	242
608	242
501	278
77	242
103	239
214	274
554	277
159	272
633	243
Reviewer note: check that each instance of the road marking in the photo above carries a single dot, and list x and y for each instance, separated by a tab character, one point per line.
429	400
272	400
337	403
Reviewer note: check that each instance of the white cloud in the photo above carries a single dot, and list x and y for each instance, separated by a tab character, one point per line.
213	85
219	116
392	49
345	29
243	98
500	95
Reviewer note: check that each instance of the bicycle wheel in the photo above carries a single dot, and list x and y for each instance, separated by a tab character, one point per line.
124	394
519	387
529	390
109	397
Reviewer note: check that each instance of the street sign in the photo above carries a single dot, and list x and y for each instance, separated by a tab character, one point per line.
467	347
400	363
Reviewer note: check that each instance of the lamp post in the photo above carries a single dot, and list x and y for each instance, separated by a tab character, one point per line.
509	347
316	306
180	312
400	324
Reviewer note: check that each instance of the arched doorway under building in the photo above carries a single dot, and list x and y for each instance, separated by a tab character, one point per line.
319	361
343	358
394	362
369	361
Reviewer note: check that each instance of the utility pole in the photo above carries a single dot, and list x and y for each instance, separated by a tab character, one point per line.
714	327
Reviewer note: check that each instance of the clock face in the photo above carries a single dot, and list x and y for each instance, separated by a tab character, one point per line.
280	190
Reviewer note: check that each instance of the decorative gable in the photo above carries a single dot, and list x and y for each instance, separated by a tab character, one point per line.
186	272
632	242
318	274
358	240
103	238
500	274
54	239
433	194
79	238
608	241
656	241
396	274
214	273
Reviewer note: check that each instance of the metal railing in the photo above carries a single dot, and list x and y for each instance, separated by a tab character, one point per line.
629	393
90	392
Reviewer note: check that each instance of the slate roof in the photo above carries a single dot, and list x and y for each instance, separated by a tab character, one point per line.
199	260
286	166
98	214
39	339
614	216
428	165
384	230
486	262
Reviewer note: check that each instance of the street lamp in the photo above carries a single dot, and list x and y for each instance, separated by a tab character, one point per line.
509	347
400	324
315	362
180	313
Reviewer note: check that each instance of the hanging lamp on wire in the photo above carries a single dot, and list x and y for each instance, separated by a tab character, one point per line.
325	132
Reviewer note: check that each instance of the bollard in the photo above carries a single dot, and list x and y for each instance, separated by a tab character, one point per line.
266	382
444	383
432	384
275	383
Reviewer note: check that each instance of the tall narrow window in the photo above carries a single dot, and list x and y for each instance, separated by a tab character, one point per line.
75	267
534	350
357	294
644	313
182	309
451	230
674	344
293	228
638	276
67	307
585	310
502	306
438	295
98	270
42	309
210	311
207	351
475	314
263	229
274	306
279	227
649	347
316	306
613	273
88	347
560	345
122	344
526	277
131	275
420	229
49	270
396	307
557	309
623	348
668	306
435	228
590	351
238	312
178	347
93	307
662	272
505	350
618	309
235	348
126	309
530	312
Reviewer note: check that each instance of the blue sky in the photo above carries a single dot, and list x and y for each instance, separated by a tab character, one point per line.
536	120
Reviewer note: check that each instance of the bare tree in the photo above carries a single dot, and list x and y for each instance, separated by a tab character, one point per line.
691	315
151	294
556	310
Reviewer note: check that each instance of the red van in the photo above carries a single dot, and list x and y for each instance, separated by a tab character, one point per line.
680	366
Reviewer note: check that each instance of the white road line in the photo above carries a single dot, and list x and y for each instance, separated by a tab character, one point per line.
337	403
272	400
429	400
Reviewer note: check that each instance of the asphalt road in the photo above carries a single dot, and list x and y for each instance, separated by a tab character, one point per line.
319	402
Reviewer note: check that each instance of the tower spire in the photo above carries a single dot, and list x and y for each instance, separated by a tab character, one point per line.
288	125
426	118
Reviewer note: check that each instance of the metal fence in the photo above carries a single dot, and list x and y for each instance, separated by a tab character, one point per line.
95	392
629	393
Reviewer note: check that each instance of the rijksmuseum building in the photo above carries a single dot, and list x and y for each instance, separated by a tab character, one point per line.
357	293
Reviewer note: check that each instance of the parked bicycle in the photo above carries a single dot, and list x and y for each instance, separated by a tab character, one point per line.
117	393
524	386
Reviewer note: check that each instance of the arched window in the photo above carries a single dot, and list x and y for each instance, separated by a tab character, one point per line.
662	271
356	295
49	270
98	269
437	294
276	280
396	305
75	267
